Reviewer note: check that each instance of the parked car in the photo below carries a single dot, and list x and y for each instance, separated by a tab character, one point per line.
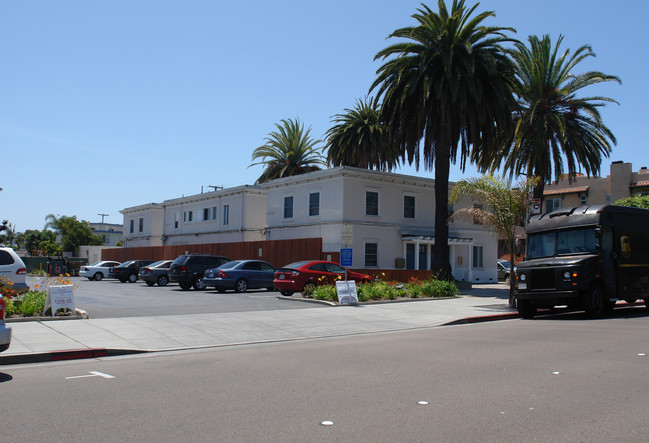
302	275
504	270
13	268
128	271
240	275
188	270
157	272
97	271
5	331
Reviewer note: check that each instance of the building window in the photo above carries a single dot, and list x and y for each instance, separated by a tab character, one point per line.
176	217
132	226
206	214
184	216
408	206
288	207
583	200
478	257
190	216
226	214
371	254
371	203
552	204
213	212
141	225
314	204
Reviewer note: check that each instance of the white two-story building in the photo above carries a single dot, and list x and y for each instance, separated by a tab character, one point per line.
387	219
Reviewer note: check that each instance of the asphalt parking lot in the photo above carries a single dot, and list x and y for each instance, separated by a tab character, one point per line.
109	298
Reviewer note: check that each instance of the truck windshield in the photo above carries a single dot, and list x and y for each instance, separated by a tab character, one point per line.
564	242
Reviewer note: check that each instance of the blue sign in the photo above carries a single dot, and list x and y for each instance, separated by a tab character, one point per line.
346	257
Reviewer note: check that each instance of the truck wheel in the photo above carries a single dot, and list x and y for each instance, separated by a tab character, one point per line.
199	285
526	308
594	301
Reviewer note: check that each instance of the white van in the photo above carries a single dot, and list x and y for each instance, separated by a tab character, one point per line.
12	267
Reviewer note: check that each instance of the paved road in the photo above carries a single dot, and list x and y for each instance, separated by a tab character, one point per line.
109	299
555	379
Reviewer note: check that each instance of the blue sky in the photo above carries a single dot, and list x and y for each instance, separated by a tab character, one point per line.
107	105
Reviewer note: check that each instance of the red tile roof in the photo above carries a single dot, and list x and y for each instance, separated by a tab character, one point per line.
565	190
639	184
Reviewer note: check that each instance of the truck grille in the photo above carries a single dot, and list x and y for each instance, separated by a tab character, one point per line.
543	279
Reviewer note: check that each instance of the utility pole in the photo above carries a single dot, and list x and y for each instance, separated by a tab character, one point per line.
102	217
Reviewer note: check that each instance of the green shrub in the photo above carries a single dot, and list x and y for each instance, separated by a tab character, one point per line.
32	303
325	292
11	307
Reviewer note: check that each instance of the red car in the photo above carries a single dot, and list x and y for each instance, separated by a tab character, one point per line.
302	274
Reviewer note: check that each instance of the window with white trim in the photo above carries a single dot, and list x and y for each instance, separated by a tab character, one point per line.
478	252
371	254
226	215
408	206
288	207
314	204
371	203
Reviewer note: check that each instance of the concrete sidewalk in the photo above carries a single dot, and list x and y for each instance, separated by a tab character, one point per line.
88	338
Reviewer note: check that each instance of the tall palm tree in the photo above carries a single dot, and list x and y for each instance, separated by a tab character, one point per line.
553	124
504	208
288	151
447	87
360	139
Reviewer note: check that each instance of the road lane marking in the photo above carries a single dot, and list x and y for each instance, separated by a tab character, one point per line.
91	374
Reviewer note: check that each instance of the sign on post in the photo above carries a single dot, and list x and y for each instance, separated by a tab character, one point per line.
59	297
346	292
535	206
346	257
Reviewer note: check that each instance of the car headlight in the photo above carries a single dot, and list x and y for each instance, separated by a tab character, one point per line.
566	275
522	277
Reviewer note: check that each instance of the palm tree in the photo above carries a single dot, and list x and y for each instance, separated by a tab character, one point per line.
360	139
52	222
505	209
553	124
288	151
447	87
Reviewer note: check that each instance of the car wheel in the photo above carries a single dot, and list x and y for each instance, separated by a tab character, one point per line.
150	283
185	286
163	280
122	280
91	278
526	308
199	285
132	278
270	289
594	301
241	285
98	276
220	290
286	293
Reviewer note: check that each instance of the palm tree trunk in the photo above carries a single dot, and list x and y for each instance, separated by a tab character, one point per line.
441	264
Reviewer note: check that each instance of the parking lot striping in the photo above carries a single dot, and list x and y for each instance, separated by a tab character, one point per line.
91	374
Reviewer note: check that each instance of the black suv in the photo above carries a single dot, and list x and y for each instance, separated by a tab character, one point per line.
188	270
127	272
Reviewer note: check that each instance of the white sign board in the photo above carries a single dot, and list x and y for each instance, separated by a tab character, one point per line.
347	235
346	292
59	297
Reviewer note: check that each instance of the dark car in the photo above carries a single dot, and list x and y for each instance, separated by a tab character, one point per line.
300	276
504	270
188	270
128	271
240	275
157	272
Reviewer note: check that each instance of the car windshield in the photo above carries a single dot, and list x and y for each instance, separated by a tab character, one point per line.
296	264
564	242
96	263
505	264
127	264
229	265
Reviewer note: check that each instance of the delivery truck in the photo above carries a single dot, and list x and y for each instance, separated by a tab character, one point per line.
585	257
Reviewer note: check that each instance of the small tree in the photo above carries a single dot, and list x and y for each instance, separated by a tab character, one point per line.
74	233
505	209
638	201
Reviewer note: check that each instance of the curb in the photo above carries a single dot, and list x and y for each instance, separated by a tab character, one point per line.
483	318
68	354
